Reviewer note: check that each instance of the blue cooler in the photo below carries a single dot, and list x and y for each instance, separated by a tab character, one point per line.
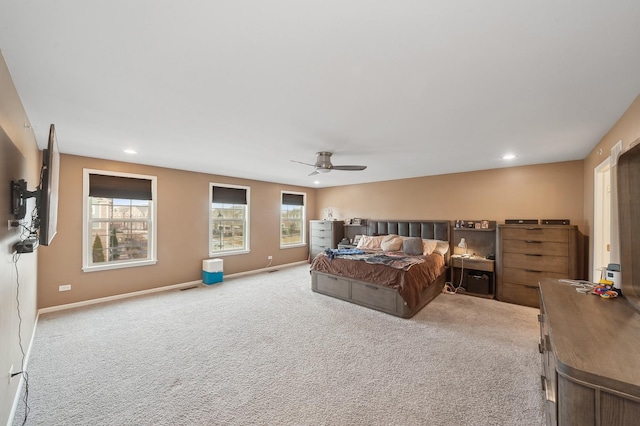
212	271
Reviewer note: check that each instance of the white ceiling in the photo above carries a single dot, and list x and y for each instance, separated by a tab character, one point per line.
240	88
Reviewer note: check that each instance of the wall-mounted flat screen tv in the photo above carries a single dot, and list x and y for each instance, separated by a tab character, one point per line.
50	183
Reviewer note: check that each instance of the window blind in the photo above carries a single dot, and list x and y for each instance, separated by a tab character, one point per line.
119	187
292	199
223	194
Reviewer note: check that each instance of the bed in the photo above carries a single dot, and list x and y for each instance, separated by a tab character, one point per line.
402	292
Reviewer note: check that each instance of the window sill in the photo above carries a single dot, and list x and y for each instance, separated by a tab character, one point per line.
288	246
111	266
228	253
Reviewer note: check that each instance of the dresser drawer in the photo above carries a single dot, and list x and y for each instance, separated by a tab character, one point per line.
336	287
323	240
373	295
318	248
558	264
521	294
535	247
321	227
528	276
536	234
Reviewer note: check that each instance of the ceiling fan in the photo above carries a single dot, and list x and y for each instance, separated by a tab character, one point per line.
323	164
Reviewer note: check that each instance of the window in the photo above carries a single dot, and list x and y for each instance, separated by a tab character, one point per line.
228	219
119	220
292	220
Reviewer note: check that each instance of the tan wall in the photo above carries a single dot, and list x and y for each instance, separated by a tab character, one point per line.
626	129
546	191
19	159
182	223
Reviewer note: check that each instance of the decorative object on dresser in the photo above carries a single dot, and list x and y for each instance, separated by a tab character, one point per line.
590	359
530	253
324	234
473	264
555	222
521	221
394	282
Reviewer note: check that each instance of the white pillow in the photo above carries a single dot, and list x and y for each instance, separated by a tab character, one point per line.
428	246
391	243
442	247
370	243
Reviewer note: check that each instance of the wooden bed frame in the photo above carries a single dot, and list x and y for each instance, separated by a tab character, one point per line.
378	297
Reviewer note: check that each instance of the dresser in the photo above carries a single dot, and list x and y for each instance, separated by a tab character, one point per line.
590	352
528	254
324	234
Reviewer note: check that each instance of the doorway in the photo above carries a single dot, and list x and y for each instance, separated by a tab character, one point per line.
601	219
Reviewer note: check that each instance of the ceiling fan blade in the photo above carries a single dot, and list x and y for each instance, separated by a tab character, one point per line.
306	164
315	172
349	168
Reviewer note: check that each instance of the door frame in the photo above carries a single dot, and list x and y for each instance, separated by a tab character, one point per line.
602	210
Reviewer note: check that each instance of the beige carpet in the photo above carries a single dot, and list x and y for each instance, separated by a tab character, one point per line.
266	350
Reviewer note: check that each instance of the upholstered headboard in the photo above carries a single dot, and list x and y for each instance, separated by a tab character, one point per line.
427	229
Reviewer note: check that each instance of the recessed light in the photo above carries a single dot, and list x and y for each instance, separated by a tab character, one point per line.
130	151
508	156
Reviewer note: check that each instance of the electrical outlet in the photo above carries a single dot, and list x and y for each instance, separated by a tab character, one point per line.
269	257
65	287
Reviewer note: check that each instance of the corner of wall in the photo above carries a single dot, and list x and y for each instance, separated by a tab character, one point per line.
19	159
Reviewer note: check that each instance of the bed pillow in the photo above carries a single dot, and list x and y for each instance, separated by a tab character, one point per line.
412	246
391	243
442	247
370	243
428	246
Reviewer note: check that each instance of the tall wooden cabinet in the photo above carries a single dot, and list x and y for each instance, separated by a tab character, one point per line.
324	234
528	254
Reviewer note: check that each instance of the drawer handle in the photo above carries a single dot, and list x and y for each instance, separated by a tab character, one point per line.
547	341
372	287
531	286
534	271
533	242
534	229
544	382
529	254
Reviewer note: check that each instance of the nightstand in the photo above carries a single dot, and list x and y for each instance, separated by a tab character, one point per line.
478	275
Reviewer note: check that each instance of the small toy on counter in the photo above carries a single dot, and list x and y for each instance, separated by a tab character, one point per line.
605	289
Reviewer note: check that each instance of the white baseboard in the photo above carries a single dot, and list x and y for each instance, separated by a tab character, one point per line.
16	398
270	268
158	289
117	297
